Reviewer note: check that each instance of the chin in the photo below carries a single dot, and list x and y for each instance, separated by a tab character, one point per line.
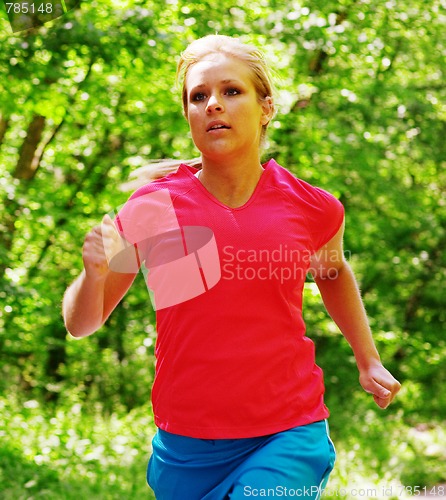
216	152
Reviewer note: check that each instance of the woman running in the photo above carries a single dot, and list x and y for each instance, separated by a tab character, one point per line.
226	245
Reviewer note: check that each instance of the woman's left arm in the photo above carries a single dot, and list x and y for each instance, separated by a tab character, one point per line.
340	293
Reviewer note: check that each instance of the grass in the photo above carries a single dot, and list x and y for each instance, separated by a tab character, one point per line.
384	457
70	454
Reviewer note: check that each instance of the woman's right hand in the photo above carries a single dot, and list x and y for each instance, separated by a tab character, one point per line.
106	250
101	244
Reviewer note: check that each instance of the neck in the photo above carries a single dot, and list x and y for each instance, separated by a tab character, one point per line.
231	181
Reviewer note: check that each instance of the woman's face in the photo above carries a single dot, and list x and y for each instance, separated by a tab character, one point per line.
223	111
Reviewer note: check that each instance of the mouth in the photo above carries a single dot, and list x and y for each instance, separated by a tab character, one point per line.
217	126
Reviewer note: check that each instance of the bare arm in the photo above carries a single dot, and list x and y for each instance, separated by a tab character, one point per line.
340	293
96	292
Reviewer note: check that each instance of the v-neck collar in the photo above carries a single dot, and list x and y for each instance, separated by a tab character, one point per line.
267	168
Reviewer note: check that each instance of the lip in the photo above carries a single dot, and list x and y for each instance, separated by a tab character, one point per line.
217	122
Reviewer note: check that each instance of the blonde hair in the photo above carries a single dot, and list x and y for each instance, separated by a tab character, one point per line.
196	51
222	44
155	169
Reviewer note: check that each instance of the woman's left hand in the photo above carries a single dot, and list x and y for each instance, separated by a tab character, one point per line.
380	382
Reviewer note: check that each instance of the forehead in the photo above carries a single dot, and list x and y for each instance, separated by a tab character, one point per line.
215	68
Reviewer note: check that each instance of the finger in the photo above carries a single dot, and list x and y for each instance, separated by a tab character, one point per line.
107	225
382	402
372	386
391	384
121	254
109	232
107	219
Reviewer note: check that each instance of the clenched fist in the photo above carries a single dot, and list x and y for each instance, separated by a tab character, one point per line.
105	250
380	382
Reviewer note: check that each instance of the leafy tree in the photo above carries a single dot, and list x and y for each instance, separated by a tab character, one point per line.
89	97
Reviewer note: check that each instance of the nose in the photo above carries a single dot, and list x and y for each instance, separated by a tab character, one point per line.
213	104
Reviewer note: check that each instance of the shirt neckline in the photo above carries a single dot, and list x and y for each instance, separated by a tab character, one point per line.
267	168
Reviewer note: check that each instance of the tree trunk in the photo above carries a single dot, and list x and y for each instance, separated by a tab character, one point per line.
29	158
4	123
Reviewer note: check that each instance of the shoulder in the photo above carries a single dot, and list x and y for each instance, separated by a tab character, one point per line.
173	182
152	205
300	191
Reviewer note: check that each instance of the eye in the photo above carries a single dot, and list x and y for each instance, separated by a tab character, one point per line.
197	97
233	91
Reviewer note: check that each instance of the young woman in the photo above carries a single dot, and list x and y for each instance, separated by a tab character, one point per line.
237	397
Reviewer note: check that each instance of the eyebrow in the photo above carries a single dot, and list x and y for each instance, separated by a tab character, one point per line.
224	82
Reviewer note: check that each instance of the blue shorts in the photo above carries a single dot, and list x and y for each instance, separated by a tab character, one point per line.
295	463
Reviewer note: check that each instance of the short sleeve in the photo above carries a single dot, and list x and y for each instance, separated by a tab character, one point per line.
324	217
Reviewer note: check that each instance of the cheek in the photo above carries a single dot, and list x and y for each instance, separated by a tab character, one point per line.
194	123
189	116
193	115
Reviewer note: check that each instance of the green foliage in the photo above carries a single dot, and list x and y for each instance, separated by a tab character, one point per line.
68	453
89	97
383	453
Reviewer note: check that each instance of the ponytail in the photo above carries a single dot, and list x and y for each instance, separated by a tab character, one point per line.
155	169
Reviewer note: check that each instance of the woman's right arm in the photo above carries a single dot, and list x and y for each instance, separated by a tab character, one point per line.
92	297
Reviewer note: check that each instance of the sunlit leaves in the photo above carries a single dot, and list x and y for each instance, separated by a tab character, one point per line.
361	112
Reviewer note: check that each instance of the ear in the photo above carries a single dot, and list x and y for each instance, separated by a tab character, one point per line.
267	110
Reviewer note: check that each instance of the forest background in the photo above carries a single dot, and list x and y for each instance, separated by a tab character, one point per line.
91	96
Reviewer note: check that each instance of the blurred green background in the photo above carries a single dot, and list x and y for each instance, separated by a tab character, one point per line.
87	98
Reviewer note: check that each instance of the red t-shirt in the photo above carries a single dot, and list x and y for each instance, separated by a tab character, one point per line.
233	361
